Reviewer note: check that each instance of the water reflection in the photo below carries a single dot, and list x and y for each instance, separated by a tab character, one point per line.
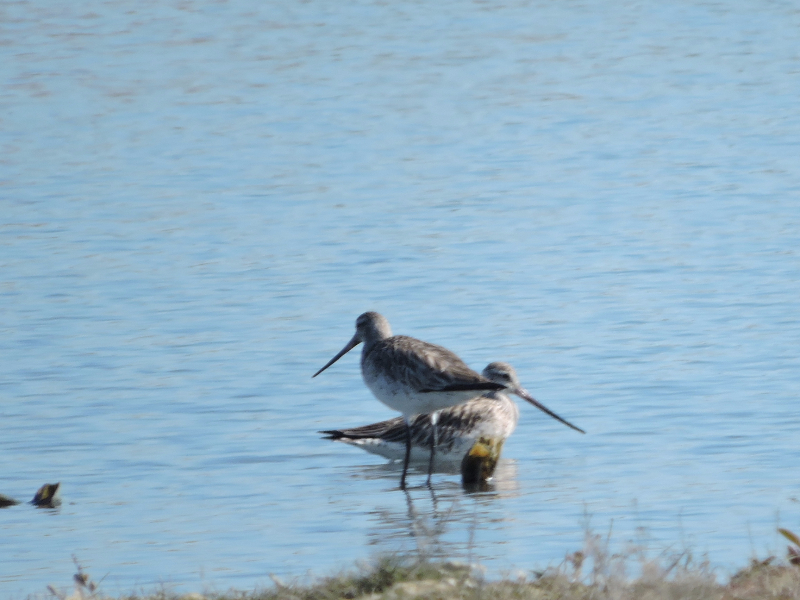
441	520
504	484
623	229
504	480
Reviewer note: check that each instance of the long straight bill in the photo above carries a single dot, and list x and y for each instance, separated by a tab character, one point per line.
350	345
525	395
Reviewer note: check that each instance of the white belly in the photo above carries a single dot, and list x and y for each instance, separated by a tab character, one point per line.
445	455
401	398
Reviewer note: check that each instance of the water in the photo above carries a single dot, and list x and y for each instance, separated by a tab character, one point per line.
198	199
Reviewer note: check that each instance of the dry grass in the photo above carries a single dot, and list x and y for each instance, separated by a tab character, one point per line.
590	574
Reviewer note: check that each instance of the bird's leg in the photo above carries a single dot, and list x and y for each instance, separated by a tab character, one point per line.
408	451
434	442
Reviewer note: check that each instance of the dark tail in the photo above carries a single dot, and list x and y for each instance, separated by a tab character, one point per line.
385	430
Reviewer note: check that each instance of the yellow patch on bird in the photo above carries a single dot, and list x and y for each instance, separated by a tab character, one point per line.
480	450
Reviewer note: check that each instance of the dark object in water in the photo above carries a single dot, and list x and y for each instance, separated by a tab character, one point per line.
47	496
5	501
479	464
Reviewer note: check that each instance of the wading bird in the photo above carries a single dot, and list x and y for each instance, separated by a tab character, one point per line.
493	417
411	376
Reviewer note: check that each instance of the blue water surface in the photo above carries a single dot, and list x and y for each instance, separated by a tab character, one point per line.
198	198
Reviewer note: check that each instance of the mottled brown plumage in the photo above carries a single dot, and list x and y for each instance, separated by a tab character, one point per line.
411	376
457	427
416	377
492	416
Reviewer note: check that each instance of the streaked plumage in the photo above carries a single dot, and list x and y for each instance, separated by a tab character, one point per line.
493	416
408	375
411	376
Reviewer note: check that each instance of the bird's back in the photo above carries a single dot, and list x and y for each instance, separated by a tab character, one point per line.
415	377
458	427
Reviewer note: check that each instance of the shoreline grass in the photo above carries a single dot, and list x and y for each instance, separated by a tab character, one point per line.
592	573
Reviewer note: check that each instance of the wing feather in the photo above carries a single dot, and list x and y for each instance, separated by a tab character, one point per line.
424	367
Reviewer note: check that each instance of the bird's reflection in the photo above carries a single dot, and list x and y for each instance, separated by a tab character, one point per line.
476	429
504	482
443	520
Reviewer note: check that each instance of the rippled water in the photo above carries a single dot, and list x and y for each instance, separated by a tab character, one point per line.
198	198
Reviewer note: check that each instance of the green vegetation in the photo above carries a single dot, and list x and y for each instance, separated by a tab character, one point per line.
591	574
